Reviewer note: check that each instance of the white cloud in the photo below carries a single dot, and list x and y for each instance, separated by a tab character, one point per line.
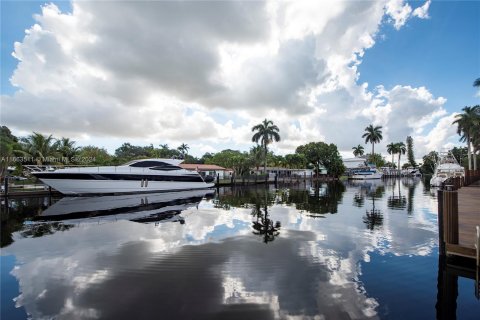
422	12
205	72
399	11
440	136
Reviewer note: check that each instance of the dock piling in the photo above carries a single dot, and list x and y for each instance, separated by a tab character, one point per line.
441	239
450	216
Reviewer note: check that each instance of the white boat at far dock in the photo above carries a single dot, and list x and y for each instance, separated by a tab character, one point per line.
446	167
367	173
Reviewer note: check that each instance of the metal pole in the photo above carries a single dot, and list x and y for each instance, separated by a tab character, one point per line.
6	185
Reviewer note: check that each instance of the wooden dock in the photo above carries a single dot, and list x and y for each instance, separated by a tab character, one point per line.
459	220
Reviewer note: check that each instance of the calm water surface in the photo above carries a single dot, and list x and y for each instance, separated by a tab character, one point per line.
331	251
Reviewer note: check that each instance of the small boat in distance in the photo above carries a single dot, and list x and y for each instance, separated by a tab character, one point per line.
367	173
137	176
446	167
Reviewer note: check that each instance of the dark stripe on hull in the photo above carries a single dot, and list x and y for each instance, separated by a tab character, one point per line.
116	176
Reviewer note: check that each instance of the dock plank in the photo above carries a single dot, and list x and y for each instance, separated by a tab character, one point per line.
468	215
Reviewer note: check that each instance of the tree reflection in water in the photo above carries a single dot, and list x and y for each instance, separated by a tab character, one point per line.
15	211
373	218
42	229
412	185
396	201
358	200
319	200
263	226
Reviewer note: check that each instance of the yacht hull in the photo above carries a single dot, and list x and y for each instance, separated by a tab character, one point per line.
137	176
80	187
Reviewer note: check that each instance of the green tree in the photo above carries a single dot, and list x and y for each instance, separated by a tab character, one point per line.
127	152
392	149
206	157
256	154
401	149
429	162
461	155
476	83
377	160
410	155
467	127
322	154
296	161
373	135
358	150
93	155
66	148
9	147
165	151
240	162
266	133
40	147
183	148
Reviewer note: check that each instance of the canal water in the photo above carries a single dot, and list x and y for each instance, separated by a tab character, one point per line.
351	250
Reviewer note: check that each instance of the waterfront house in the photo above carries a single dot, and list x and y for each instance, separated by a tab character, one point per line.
354	163
287	172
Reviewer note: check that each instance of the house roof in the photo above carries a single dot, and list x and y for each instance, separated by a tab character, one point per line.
201	167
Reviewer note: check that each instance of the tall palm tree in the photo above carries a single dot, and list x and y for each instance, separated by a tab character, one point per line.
39	146
373	135
392	149
358	150
401	149
468	124
266	133
183	148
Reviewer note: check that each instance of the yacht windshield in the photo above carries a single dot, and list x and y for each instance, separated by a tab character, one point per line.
147	164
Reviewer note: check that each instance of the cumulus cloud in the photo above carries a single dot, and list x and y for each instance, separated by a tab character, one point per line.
399	12
205	72
422	12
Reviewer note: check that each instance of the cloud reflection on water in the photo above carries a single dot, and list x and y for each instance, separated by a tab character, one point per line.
213	266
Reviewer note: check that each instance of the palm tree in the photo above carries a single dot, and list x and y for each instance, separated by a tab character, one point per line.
256	154
183	148
373	135
66	148
266	133
358	150
392	149
401	149
468	124
39	146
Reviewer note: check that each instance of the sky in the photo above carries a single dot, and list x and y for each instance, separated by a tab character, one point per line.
203	73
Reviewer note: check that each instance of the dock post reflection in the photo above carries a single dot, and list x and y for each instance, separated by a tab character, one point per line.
447	291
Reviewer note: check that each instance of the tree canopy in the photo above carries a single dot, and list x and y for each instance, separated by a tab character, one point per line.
322	154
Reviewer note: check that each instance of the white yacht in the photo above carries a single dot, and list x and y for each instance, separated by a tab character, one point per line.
446	167
145	175
367	173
